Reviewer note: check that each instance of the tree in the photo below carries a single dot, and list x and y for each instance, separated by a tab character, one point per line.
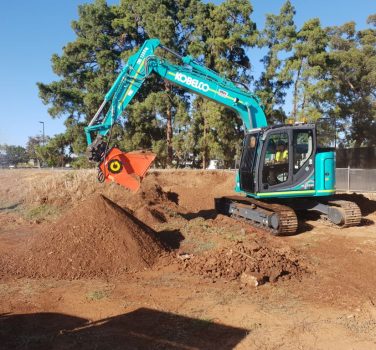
222	36
13	155
171	22
352	90
307	68
89	65
87	69
159	115
278	37
54	152
32	146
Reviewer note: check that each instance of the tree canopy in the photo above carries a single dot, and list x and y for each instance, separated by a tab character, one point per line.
328	71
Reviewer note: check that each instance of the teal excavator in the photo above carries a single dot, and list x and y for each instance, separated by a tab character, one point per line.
283	168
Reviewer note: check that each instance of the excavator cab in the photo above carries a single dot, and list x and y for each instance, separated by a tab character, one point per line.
285	169
280	161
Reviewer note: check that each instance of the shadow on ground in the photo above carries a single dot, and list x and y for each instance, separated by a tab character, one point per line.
171	238
367	206
140	329
206	214
10	207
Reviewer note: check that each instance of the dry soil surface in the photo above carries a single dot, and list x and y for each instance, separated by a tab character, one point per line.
91	266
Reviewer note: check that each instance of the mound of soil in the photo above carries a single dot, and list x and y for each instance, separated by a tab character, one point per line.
195	190
149	204
95	239
150	194
252	262
150	216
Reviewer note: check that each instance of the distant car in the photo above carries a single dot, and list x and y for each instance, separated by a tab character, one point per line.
12	166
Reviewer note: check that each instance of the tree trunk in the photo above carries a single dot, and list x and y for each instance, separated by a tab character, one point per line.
205	150
169	131
304	102
169	135
295	97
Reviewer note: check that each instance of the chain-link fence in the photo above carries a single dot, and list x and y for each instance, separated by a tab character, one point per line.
356	180
356	158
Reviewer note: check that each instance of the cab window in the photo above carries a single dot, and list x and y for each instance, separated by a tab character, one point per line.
276	162
303	148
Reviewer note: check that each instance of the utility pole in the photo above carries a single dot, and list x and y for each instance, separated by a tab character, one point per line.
43	139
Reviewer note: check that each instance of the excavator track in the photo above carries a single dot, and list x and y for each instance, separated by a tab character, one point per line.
346	213
278	219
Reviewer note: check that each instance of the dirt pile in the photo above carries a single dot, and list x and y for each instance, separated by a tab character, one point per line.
95	239
150	204
251	262
195	190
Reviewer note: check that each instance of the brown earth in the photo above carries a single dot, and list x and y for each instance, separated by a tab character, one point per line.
320	295
254	259
95	239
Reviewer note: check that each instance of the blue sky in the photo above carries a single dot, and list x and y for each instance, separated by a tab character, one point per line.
31	31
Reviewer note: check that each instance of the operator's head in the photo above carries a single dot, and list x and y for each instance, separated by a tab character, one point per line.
252	142
281	145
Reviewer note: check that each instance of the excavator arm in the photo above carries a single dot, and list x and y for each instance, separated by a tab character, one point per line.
121	93
128	169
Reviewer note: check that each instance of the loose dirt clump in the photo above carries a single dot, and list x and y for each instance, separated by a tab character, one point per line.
95	239
150	193
251	262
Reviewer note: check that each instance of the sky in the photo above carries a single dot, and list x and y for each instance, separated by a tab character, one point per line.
31	31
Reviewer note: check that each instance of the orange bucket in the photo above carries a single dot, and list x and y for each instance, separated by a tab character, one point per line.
126	168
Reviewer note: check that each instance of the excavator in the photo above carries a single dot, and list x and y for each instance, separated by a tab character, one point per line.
283	168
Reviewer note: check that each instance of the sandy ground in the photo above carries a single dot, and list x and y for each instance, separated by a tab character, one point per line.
332	307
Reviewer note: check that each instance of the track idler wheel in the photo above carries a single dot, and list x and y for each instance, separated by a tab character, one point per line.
274	222
344	213
336	215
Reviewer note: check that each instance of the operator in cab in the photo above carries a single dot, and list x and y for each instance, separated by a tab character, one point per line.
282	153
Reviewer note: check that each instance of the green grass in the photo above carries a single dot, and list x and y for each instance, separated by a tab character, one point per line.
41	212
201	246
97	295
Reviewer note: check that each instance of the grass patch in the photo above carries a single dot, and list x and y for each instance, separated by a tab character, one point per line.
41	212
97	295
201	247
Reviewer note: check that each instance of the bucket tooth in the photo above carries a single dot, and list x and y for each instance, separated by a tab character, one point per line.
126	168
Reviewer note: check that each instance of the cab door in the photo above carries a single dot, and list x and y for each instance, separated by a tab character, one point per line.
275	163
247	173
304	150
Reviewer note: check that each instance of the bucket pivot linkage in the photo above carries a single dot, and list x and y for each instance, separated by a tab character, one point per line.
125	168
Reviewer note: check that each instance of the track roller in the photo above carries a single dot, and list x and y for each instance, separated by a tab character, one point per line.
278	219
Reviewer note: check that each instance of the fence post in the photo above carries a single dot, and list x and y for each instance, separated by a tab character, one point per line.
348	179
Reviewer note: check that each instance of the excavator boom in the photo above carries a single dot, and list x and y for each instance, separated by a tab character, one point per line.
127	169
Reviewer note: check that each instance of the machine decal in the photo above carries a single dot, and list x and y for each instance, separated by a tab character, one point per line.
192	82
130	86
222	93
